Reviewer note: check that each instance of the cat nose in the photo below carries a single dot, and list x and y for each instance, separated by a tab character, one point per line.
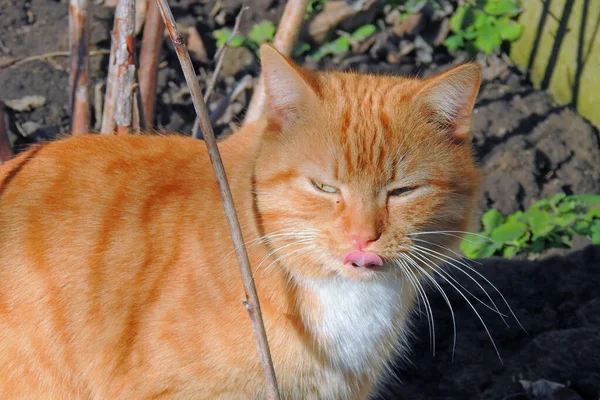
360	241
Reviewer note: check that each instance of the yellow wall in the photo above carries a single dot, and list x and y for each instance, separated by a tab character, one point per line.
561	45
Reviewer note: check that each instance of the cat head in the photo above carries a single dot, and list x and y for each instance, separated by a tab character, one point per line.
354	170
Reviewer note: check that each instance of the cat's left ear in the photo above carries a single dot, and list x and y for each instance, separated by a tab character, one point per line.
290	89
447	99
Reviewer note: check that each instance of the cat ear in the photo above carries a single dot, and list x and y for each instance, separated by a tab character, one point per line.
447	99
289	94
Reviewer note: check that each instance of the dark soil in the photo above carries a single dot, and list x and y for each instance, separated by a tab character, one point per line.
528	148
557	300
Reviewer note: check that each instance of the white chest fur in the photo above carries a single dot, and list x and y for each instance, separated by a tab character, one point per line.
356	320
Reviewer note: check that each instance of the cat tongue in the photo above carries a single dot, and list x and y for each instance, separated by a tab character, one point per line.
363	259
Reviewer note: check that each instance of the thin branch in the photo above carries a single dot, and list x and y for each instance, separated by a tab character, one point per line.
252	303
220	56
98	104
6	152
78	67
285	38
110	99
244	84
124	59
152	39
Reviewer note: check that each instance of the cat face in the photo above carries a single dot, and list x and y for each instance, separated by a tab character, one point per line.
353	169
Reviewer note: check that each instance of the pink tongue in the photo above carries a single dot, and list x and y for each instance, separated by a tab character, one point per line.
363	259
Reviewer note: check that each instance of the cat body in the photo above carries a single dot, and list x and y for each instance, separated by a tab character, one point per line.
118	278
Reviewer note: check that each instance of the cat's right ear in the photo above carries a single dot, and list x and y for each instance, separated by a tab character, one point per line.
289	95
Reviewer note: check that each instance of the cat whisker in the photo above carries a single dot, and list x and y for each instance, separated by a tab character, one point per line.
456	234
414	280
451	262
275	251
479	274
430	264
282	233
442	292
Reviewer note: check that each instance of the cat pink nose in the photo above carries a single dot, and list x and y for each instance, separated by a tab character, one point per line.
363	259
362	241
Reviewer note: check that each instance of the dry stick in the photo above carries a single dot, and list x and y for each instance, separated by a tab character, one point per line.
251	303
5	149
124	59
154	28
78	67
110	100
244	84
220	56
285	38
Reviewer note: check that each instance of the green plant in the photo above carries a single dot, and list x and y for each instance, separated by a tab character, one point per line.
482	25
549	223
343	42
261	32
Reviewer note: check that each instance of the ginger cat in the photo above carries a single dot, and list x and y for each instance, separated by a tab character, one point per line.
117	273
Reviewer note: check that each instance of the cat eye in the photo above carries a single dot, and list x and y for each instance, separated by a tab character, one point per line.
401	191
324	188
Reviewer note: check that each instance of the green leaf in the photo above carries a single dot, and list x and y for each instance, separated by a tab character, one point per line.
301	48
541	223
340	45
509	252
557	198
481	20
565	220
491	219
454	42
488	39
517	216
364	32
501	7
510	30
477	246
456	21
594	213
508	232
586	199
262	32
595	229
582	227
223	34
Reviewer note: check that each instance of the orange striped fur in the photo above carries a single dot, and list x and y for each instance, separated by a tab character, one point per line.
117	273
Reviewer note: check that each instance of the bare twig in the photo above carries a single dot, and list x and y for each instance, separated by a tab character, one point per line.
244	84
124	58
5	149
220	56
110	100
15	61
252	303
285	38
149	56
98	104
78	67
